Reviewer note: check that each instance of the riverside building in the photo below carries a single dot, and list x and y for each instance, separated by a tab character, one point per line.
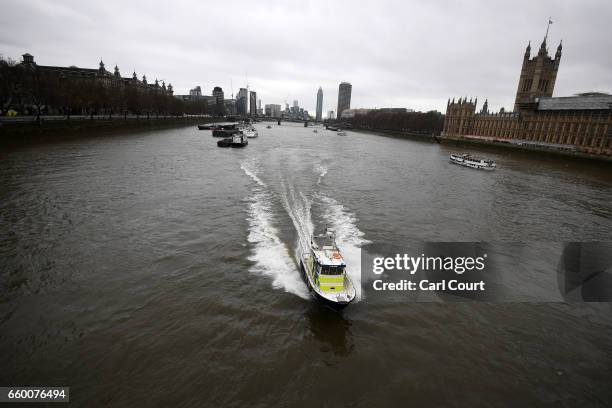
344	98
581	123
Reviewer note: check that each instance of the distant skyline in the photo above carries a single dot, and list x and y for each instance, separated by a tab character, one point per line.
395	54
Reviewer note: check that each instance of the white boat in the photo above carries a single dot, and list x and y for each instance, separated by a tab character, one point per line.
341	133
325	273
251	133
468	160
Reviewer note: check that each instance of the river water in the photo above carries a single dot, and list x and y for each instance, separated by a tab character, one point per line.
156	269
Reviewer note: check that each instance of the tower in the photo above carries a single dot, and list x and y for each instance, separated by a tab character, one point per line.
219	97
538	74
319	113
253	103
344	98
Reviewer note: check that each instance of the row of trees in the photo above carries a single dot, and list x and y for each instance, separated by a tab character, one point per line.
28	89
417	122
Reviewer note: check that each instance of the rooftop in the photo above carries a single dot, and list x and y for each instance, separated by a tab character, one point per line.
581	102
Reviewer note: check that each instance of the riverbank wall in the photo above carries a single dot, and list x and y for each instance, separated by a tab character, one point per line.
9	129
524	147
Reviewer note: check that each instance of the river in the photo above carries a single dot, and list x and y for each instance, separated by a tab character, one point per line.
154	268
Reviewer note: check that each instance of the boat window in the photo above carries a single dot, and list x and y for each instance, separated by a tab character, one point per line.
332	270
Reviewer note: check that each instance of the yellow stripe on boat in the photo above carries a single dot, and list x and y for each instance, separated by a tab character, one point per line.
331	283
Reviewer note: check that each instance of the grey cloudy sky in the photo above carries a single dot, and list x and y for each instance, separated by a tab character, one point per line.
395	53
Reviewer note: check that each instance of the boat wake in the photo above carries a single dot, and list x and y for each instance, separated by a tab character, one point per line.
298	208
322	170
349	237
270	255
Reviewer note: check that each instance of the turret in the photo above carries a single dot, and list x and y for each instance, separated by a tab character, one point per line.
559	48
485	107
134	77
528	51
144	79
543	51
101	70
117	74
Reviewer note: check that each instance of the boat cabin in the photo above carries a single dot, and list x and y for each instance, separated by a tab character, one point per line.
328	266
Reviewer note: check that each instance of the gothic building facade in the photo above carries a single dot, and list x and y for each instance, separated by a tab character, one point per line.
580	123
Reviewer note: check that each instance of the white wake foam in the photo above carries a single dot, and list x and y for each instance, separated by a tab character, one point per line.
348	236
270	255
252	169
298	209
322	170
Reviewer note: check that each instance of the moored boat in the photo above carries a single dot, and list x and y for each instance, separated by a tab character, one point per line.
224	132
205	127
251	133
239	140
467	160
225	142
325	273
268	127
341	133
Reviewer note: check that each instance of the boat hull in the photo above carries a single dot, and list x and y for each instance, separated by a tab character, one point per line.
224	143
224	132
472	165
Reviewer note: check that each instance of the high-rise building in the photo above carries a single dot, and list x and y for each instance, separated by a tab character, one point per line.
295	104
242	101
253	103
273	111
319	114
344	97
195	93
217	93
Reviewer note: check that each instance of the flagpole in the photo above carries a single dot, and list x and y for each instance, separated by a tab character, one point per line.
547	27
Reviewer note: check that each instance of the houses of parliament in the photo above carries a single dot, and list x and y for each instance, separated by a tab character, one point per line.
580	123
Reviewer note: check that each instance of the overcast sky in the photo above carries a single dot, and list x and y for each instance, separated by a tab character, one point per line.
395	54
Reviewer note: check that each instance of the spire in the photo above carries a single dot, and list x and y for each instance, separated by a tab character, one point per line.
528	50
101	69
559	48
543	48
134	75
144	79
117	71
